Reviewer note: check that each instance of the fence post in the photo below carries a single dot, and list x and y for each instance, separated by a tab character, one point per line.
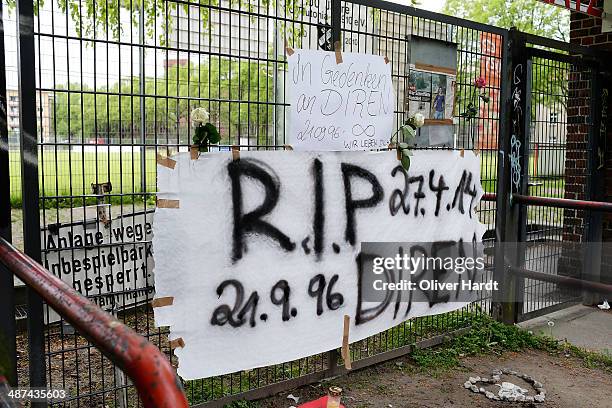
29	186
142	90
512	174
8	352
332	363
336	20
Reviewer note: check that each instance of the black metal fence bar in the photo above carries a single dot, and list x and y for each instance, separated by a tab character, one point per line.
430	15
29	187
595	188
514	175
7	300
571	48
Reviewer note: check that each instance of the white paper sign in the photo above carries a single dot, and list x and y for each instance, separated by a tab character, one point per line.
109	263
335	107
257	244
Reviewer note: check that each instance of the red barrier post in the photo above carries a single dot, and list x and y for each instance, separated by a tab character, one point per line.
155	379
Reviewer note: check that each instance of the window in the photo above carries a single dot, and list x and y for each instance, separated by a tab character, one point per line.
554	117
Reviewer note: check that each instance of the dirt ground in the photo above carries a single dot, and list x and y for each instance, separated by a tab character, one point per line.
396	384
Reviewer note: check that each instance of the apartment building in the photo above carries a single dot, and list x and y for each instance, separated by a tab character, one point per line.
44	117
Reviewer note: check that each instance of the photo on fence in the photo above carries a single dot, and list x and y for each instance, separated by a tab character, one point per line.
431	94
430	89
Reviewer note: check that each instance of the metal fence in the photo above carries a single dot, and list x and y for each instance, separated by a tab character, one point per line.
561	123
114	85
549	153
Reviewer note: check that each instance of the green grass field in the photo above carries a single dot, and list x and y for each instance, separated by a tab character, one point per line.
542	186
66	173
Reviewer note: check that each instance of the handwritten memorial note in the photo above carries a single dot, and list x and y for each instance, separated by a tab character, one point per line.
339	106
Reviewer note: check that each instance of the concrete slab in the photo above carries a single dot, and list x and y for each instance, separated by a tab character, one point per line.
583	326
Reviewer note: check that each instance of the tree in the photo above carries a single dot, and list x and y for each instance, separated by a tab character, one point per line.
98	16
529	16
550	85
232	91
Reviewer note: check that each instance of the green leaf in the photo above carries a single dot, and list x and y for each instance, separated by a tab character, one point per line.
199	135
470	112
408	132
405	161
403	145
213	133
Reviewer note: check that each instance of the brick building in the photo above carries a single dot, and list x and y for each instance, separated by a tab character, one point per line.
587	31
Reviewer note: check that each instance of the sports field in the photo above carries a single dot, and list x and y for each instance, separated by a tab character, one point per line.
69	173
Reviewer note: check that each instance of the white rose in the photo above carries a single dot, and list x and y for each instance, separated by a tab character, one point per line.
199	116
419	120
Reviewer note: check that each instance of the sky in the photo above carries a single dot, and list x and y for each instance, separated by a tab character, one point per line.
431	5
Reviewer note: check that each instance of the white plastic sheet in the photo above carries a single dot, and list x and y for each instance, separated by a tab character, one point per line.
249	232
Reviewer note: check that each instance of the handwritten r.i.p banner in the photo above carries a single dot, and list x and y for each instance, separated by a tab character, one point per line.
260	253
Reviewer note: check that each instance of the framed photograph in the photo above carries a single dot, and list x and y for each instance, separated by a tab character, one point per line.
431	94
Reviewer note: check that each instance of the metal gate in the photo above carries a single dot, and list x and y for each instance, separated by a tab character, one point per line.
103	89
556	150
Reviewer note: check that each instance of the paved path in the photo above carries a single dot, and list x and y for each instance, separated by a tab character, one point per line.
583	326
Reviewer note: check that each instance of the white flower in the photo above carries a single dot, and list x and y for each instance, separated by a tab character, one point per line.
419	120
199	116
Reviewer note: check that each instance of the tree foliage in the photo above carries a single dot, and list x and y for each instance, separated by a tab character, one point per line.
550	85
232	91
529	16
99	17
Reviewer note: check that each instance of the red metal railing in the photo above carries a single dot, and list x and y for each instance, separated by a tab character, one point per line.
155	379
489	197
555	202
563	203
596	287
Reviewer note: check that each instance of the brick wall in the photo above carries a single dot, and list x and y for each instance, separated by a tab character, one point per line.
578	109
584	30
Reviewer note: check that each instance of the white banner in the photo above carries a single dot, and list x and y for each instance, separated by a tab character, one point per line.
346	106
258	249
